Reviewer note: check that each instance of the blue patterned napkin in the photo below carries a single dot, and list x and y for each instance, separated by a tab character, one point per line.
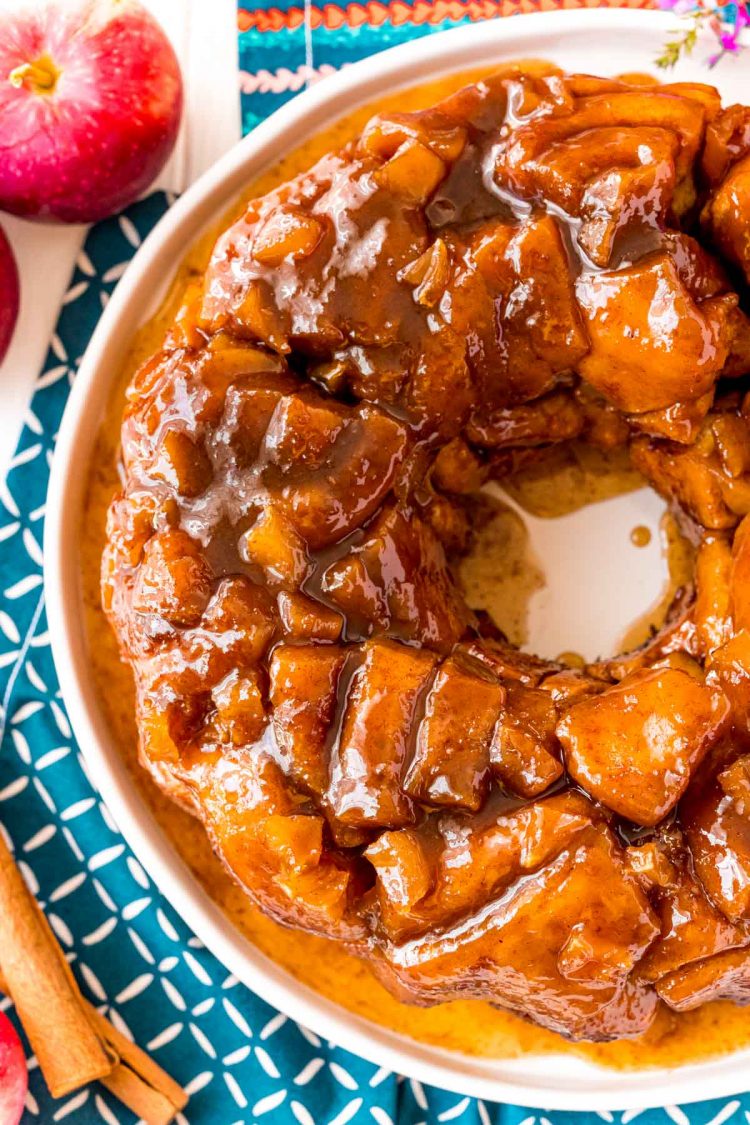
240	1060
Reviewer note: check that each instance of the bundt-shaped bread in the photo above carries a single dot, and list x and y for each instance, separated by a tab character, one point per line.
517	266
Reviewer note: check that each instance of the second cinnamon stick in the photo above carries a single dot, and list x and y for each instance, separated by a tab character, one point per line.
49	1004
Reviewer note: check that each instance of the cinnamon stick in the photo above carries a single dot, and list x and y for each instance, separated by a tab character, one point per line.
49	1004
47	999
137	1080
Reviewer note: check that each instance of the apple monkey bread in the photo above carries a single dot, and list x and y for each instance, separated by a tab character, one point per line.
539	257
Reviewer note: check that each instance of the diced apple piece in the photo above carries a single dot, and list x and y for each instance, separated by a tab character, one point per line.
307	619
248	411
242	613
254	315
297	840
286	234
428	274
651	864
240	713
183	463
322	890
386	132
404	873
273	545
349	584
413	172
302	431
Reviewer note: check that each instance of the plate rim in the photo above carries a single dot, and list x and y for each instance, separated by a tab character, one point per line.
452	1071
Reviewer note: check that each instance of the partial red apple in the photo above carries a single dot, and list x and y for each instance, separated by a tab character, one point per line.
14	1078
90	106
9	297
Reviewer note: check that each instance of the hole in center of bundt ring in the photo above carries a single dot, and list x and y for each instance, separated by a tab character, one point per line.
575	556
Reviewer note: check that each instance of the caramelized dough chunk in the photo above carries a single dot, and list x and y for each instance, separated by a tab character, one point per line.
174	581
651	343
691	926
729	669
514	300
739	577
452	754
396	581
277	854
717	826
470	861
726	161
525	752
304	694
710	478
553	418
723	977
635	746
712	614
367	764
331	483
558	947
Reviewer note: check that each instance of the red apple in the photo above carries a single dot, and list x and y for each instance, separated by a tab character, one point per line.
14	1078
9	296
90	105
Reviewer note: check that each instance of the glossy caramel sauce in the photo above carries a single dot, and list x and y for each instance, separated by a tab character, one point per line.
500	576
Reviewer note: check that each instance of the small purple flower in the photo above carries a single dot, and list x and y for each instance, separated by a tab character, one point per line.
726	21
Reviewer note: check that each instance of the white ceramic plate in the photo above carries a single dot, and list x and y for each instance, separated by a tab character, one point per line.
601	42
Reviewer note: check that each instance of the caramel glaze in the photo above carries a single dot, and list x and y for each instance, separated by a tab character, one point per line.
605	977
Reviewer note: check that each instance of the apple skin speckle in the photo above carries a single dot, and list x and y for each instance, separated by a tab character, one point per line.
9	302
91	142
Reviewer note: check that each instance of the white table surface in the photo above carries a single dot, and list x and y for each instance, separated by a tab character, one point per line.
205	38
